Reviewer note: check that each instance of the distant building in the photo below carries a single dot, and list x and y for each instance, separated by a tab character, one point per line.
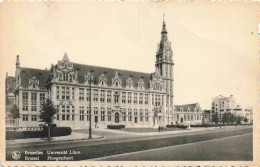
206	116
222	104
188	114
114	96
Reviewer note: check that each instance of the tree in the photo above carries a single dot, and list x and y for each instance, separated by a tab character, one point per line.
215	118
15	112
47	114
232	118
239	119
225	118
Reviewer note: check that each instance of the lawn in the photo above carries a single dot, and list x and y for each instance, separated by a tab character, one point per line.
94	151
146	130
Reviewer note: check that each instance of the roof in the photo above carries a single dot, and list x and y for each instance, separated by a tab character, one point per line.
10	84
185	106
110	73
28	73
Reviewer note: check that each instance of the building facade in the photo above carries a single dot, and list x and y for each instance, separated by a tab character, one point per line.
188	114
222	104
113	96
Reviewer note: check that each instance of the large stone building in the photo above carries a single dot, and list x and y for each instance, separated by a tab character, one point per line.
188	114
113	96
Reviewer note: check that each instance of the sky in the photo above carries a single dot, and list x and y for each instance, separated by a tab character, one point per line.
214	44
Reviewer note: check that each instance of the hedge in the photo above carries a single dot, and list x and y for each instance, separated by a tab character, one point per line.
115	126
55	132
177	126
217	125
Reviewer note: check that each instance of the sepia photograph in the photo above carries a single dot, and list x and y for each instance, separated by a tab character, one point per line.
129	82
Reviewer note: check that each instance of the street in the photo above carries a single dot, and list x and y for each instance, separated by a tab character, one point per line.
213	144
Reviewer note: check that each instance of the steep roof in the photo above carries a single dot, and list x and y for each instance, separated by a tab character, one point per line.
10	84
185	106
110	73
28	73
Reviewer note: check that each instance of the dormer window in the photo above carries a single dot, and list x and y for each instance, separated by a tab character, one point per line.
66	65
116	83
34	86
65	76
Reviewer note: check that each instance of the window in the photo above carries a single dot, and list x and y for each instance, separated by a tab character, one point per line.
34	118
81	94
88	113
146	99
129	97
42	97
68	109
129	115
81	113
58	117
152	99
109	114
109	96
63	117
123	116
135	98
116	97
65	76
140	98
25	117
67	93
95	98
88	95
25	95
146	115
63	108
72	109
72	89
58	108
178	116
68	117
123	97
102	96
63	93
141	115
33	108
95	110
102	113
33	96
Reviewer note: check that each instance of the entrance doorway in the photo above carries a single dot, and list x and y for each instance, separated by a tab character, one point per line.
117	117
135	119
96	119
181	120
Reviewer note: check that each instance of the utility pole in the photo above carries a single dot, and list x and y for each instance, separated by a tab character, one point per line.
90	114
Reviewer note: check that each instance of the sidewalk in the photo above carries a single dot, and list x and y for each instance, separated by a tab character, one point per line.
72	137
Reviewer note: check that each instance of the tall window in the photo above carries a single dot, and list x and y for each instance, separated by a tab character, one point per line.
102	110
123	97
58	92
42	97
135	98
88	113
152	99
25	101
63	109
159	100
109	96
88	95
141	114
129	97
102	96
109	114
81	113
33	101
95	110
95	98
146	115
81	94
72	89
63	93
123	116
140	98
129	114
116	97
146	99
67	93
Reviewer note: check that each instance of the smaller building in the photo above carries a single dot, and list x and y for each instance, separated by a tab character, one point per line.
188	114
245	112
206	116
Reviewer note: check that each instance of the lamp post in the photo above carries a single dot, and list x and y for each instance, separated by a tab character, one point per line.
90	115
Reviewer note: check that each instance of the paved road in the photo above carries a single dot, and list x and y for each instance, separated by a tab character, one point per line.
230	148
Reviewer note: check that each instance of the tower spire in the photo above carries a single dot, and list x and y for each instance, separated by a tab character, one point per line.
17	61
164	31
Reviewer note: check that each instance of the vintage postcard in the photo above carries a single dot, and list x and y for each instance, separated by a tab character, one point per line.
129	83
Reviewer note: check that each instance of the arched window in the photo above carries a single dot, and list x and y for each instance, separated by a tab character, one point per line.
34	86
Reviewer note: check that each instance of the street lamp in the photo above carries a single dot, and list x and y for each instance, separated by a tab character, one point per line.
90	115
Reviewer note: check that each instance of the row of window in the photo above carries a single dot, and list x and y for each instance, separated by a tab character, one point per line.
65	93
188	110
189	117
26	117
33	100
